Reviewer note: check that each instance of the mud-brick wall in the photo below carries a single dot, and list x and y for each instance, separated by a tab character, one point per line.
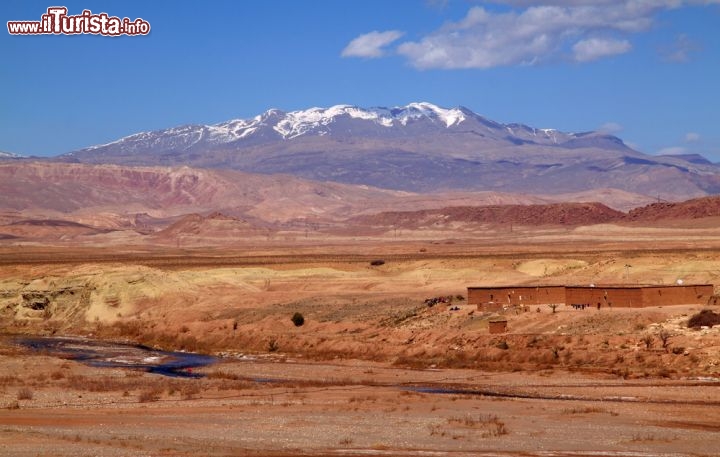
497	326
620	297
509	296
677	295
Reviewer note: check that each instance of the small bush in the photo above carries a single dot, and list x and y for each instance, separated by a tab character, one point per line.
298	319
56	375
503	345
13	405
377	262
25	394
648	341
149	396
273	346
678	350
490	425
705	318
190	391
556	352
664	336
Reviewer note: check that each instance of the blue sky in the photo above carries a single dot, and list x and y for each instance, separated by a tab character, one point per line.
647	71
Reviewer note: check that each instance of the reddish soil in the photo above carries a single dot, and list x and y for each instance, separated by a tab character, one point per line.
692	209
553	214
347	407
564	383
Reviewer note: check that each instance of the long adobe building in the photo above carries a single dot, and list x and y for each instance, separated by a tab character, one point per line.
621	296
495	298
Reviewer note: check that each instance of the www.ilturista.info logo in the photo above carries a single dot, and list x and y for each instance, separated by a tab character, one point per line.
57	22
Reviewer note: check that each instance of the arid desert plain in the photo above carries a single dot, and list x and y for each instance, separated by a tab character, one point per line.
429	228
373	369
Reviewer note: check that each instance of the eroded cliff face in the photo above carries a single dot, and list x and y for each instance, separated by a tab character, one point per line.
83	295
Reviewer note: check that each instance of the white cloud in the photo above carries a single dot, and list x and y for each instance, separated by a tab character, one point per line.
485	39
673	150
527	33
639	3
596	48
610	128
370	44
692	137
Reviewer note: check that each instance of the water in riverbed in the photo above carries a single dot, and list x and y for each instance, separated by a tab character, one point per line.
119	355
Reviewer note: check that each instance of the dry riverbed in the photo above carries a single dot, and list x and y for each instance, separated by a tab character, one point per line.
276	405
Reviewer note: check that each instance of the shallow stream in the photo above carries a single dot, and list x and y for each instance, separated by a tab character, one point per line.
119	355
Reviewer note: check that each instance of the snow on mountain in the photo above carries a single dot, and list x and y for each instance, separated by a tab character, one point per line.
292	124
319	120
9	155
417	110
419	147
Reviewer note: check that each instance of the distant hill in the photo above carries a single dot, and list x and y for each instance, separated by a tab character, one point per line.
62	198
571	214
51	188
148	198
697	208
215	225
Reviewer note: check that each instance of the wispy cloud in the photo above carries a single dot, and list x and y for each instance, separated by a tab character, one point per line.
530	32
370	45
673	150
596	48
680	51
632	145
690	137
635	3
610	128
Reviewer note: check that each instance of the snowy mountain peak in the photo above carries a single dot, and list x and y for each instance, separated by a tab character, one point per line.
424	109
296	123
343	122
9	155
318	120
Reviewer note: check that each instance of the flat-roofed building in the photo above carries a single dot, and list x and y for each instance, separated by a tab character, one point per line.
602	296
494	298
639	296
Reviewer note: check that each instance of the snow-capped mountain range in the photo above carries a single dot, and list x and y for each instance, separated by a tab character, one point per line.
9	155
338	120
417	147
